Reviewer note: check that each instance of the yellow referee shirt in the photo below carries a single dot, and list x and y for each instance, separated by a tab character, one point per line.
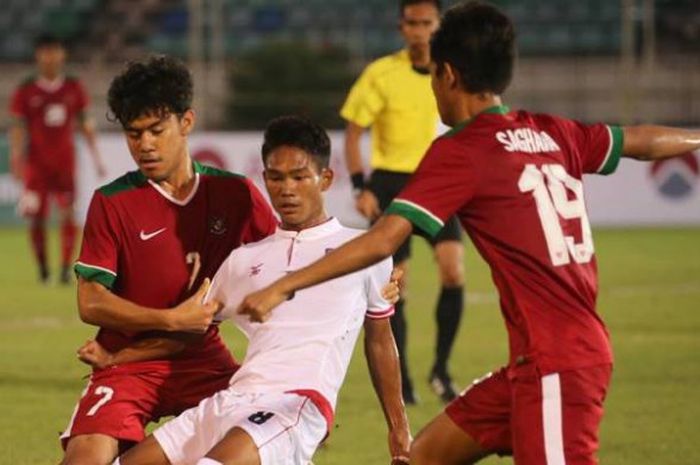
397	102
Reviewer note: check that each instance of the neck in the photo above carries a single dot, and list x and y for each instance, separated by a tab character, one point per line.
180	183
420	56
318	219
470	105
50	76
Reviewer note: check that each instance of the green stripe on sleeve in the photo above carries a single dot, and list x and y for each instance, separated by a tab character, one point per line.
99	275
613	160
419	217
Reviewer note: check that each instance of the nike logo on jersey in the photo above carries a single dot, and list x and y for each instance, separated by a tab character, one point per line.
145	237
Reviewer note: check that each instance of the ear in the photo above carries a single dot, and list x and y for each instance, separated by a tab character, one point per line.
327	176
451	76
187	122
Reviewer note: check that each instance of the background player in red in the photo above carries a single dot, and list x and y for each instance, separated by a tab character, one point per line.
45	109
514	179
152	238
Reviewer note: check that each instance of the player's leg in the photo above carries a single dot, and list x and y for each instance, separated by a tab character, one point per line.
556	417
110	416
33	205
442	442
236	448
65	197
449	254
146	452
473	426
91	449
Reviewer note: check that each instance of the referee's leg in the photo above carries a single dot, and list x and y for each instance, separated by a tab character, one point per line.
449	254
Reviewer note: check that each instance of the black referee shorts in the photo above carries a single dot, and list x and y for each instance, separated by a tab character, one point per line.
386	185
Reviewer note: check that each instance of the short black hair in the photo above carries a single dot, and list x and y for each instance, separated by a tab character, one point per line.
478	40
159	86
301	133
404	3
46	40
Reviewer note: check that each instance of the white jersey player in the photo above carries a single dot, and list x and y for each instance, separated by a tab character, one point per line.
280	403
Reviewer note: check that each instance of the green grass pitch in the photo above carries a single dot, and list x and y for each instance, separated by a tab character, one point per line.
650	299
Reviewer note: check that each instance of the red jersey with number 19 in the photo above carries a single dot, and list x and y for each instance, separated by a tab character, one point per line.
514	180
155	250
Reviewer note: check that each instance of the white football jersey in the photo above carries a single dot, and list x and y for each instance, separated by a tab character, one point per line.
307	342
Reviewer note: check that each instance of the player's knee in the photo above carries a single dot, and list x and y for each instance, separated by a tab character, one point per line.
422	453
90	450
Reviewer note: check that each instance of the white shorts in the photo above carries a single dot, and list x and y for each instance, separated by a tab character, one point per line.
287	428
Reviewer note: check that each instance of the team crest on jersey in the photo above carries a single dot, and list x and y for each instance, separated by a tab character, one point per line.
217	225
255	269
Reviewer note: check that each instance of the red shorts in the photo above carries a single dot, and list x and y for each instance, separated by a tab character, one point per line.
119	402
540	420
39	185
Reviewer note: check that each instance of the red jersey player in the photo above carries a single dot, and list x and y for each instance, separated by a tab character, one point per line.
45	109
152	238
514	180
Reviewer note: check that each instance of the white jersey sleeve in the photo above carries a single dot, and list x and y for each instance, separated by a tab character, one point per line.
225	287
378	276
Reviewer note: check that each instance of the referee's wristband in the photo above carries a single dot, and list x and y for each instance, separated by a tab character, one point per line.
358	181
358	184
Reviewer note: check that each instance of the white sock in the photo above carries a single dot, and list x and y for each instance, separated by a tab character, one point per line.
207	461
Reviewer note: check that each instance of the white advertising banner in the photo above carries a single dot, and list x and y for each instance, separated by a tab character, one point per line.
638	194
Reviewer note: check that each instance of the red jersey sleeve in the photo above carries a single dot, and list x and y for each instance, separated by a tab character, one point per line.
99	250
597	147
444	182
17	104
262	221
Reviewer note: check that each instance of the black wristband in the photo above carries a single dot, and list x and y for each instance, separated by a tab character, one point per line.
358	181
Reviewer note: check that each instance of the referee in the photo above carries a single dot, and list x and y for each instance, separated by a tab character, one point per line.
393	98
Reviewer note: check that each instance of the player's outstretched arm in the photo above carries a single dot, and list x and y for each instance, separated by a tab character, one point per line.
87	127
98	306
383	363
648	142
156	348
380	242
17	135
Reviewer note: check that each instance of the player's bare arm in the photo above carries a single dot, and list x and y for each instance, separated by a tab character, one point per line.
365	201
380	242
17	138
649	142
87	128
383	364
98	306
152	348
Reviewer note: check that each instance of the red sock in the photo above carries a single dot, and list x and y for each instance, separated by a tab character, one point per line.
68	233
37	234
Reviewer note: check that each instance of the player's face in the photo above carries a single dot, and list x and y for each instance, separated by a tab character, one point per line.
158	144
50	59
418	23
296	185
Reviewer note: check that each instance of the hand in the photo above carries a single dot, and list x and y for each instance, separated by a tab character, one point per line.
367	204
258	305
400	446
391	292
193	315
93	354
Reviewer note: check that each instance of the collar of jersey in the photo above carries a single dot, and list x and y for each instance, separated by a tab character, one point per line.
496	109
330	226
50	86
